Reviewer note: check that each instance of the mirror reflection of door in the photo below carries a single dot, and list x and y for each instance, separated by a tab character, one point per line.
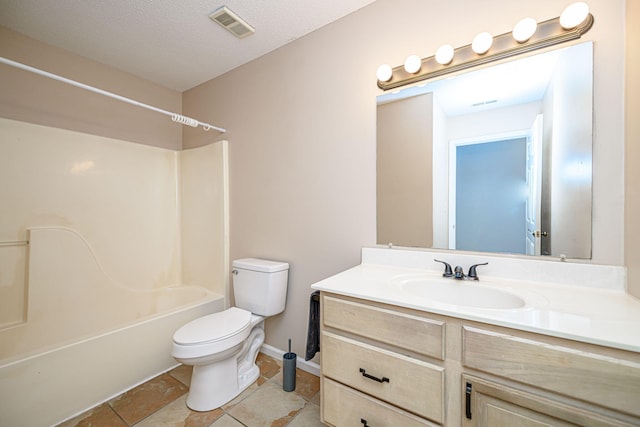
534	187
495	193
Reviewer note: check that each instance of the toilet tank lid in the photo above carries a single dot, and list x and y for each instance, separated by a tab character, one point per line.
255	264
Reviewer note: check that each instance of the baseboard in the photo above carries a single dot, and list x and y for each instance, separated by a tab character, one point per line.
276	353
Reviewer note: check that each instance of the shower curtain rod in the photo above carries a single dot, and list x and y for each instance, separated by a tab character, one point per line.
178	118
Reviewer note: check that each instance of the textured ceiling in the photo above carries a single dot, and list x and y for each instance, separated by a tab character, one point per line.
170	42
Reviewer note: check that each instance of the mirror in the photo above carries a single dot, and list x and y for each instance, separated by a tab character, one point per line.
494	160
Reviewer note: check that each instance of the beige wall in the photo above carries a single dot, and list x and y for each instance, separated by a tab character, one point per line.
403	172
632	144
27	97
302	143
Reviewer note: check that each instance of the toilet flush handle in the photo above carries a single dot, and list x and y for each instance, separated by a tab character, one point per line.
234	271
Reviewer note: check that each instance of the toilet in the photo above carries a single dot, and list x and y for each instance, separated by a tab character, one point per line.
222	347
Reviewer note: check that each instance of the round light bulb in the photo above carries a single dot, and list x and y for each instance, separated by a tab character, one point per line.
412	64
524	29
482	43
384	73
574	15
444	54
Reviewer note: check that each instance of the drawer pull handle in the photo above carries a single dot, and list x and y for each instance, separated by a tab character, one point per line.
467	399
364	422
371	377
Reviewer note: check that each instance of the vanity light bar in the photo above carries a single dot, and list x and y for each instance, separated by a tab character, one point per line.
547	33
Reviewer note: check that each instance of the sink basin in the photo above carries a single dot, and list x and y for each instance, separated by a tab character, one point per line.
459	293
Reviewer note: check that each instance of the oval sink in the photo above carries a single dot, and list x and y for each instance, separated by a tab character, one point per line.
453	292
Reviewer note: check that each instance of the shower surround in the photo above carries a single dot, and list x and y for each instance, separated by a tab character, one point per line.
106	247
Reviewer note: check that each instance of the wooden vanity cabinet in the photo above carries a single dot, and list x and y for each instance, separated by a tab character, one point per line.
493	404
381	366
384	365
517	378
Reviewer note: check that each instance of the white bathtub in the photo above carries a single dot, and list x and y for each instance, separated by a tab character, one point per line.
85	338
47	387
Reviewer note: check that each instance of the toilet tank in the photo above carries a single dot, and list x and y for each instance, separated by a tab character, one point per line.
260	286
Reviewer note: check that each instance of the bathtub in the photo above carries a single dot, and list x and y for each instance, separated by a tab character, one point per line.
50	386
66	356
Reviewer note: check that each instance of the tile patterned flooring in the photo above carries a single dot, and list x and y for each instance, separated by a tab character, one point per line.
161	402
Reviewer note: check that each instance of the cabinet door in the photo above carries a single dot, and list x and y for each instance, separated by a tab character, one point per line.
490	411
489	404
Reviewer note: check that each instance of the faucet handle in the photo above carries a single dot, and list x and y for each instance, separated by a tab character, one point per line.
448	272
472	271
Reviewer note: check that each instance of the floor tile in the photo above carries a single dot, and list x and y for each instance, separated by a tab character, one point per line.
307	385
177	413
308	417
315	399
239	398
269	406
269	366
161	402
227	421
182	373
101	416
144	400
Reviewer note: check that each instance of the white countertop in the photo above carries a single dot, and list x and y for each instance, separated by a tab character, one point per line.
595	314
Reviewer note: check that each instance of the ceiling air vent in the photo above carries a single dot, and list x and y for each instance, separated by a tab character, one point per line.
232	22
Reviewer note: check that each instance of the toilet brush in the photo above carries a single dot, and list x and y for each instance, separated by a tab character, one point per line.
289	370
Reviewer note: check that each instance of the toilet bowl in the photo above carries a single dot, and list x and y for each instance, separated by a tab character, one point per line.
222	347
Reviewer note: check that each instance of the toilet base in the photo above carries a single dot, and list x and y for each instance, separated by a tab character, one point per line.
216	384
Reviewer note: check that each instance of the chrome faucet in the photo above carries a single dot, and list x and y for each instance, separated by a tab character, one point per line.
458	272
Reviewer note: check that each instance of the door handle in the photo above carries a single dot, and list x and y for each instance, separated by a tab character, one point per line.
467	402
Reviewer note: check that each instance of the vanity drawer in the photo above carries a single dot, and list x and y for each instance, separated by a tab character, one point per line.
607	381
424	336
344	406
403	381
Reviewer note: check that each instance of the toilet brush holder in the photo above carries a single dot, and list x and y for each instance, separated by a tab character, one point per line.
289	370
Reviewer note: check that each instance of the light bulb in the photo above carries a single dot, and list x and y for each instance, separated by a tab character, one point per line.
524	29
574	15
482	43
444	54
384	73
412	64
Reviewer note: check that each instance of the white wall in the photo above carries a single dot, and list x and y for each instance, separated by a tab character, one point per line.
204	217
121	197
571	157
301	131
632	152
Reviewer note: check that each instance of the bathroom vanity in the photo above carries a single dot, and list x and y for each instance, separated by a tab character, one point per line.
536	353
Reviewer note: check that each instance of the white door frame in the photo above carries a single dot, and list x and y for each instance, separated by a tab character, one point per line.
453	146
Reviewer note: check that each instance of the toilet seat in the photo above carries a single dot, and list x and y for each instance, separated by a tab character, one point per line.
213	327
211	334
